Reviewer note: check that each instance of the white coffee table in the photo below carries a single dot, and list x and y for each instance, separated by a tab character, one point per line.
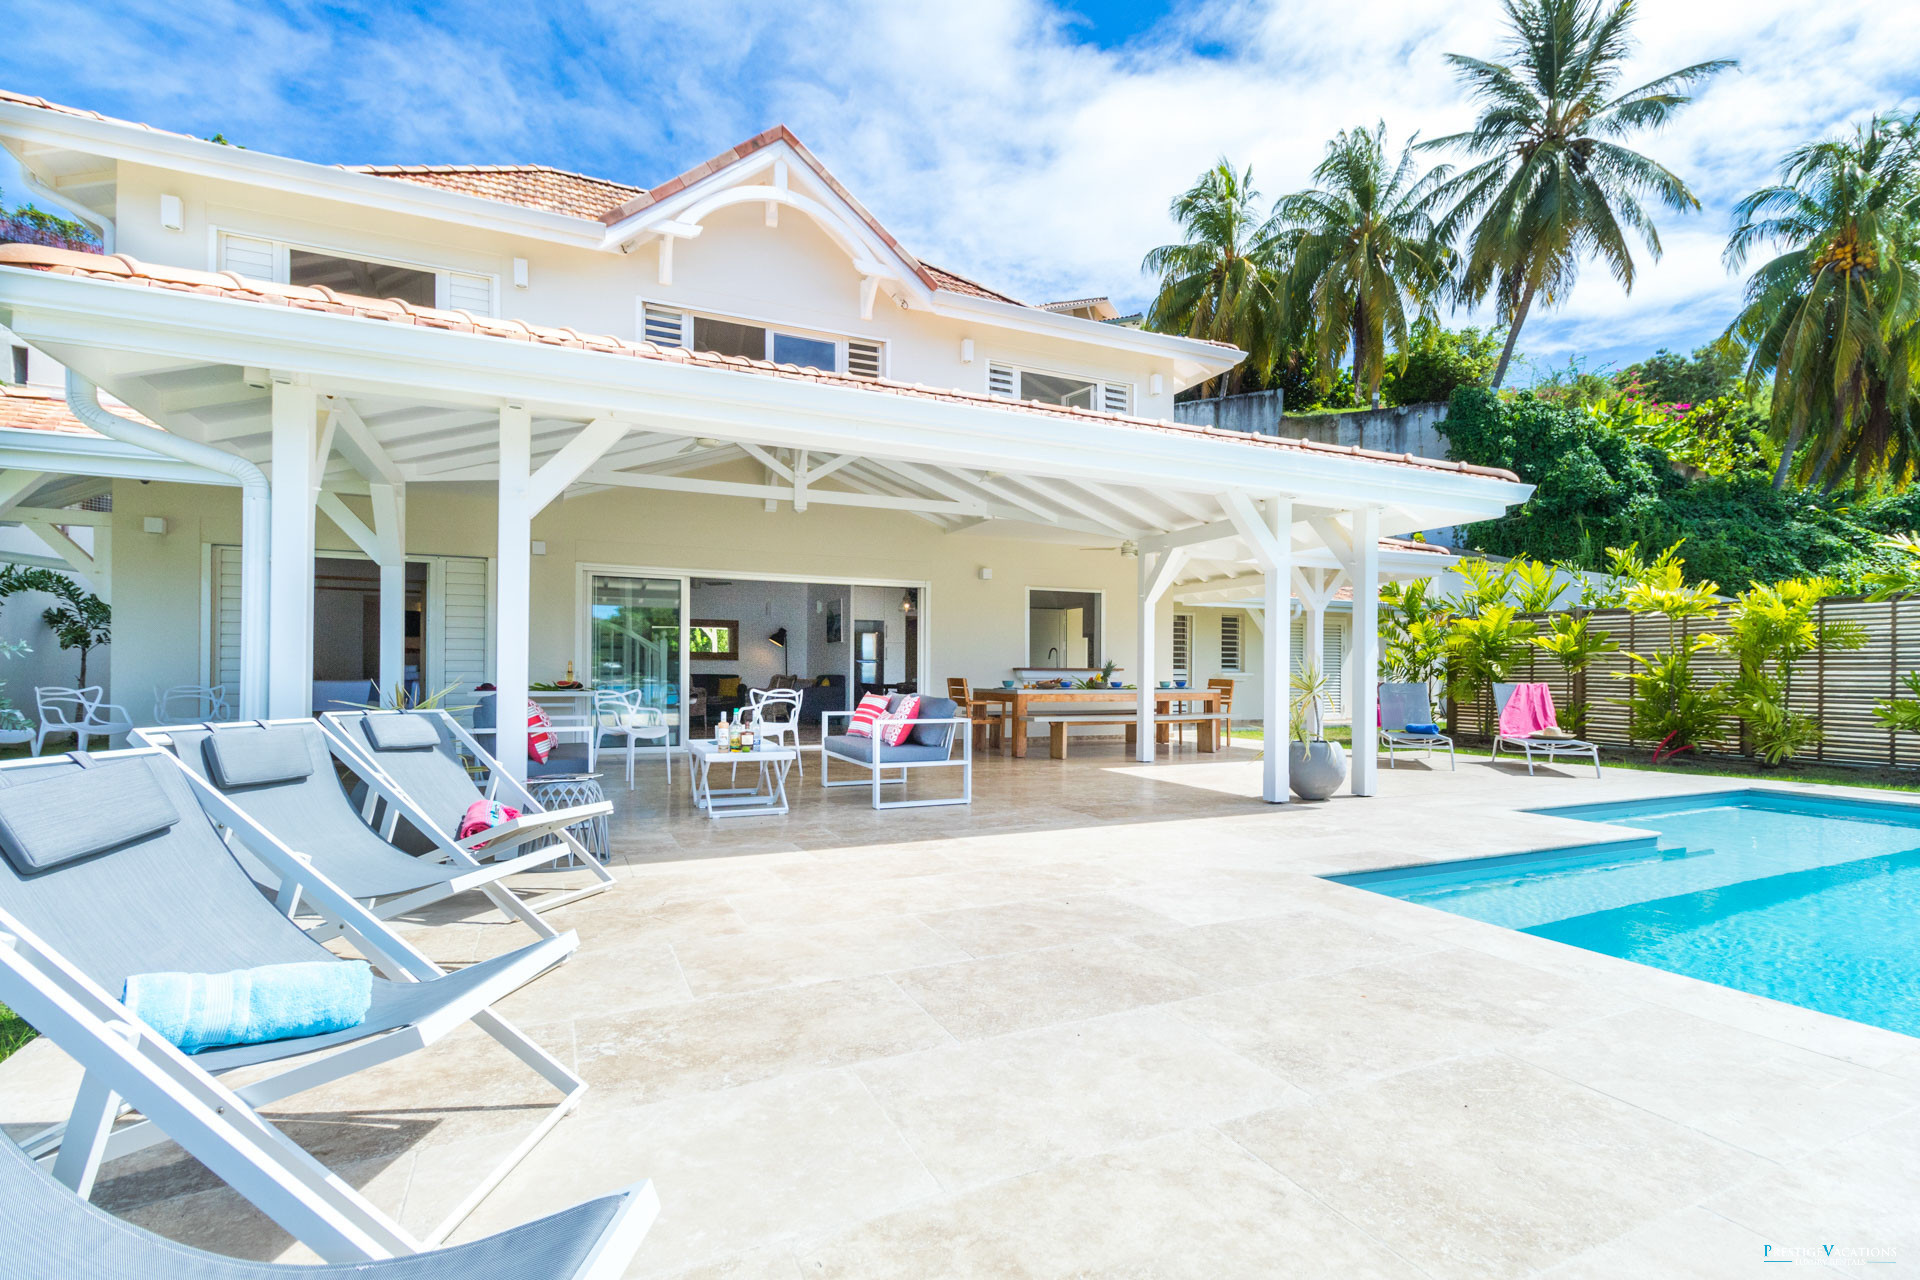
766	798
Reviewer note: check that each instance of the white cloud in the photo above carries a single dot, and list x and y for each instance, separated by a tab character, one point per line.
986	135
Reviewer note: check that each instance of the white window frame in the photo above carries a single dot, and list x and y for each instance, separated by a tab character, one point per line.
1238	665
283	265
1102	388
1099	622
1180	651
841	342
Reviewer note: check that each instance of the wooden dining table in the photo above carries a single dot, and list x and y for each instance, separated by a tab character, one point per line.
1016	706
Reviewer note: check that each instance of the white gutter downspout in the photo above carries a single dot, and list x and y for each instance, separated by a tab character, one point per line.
101	224
83	398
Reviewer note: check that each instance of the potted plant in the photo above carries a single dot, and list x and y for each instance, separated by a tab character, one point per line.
1315	767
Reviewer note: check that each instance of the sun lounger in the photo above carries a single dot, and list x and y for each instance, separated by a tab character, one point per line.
417	758
1529	744
281	774
53	1234
1405	704
126	872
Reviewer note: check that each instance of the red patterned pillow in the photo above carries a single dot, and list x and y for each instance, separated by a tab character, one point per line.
872	707
894	726
539	733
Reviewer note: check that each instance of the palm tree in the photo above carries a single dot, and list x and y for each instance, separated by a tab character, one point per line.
1219	282
1361	248
1553	184
1833	316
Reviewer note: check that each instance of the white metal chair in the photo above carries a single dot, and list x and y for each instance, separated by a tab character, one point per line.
621	711
191	704
776	718
1551	748
84	713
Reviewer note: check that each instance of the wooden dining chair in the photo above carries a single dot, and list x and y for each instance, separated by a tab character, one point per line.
1224	726
987	723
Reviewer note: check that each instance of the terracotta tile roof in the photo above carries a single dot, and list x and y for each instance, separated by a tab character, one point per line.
44	409
317	298
28	100
537	186
954	282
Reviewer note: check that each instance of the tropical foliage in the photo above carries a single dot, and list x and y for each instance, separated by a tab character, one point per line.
1553	183
78	618
1219	281
26	224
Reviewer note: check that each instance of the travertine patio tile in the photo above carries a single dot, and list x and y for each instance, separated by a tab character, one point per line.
810	953
1487	1167
651	1054
737	1170
1694	1244
1027	926
1189	1206
1039	988
993	1108
1857	1194
1275	948
1768	1097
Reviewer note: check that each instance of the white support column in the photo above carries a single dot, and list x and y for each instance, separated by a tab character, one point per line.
513	586
1157	571
1364	695
1276	667
290	572
390	533
1313	636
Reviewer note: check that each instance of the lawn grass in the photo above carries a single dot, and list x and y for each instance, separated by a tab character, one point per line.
14	1032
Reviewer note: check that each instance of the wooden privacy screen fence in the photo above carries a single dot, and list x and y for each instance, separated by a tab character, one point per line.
1839	689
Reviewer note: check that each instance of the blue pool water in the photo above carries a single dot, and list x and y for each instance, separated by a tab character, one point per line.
1808	900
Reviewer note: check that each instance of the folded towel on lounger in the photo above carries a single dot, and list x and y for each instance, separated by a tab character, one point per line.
274	1002
483	814
1424	730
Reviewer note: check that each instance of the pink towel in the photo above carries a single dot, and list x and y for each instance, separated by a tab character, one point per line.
1528	711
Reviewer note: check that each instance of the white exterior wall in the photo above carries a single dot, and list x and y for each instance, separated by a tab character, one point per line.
792	274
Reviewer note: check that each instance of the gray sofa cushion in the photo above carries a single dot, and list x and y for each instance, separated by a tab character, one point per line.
404	732
849	747
75	814
934	735
253	755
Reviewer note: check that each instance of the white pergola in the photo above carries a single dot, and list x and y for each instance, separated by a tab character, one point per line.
326	405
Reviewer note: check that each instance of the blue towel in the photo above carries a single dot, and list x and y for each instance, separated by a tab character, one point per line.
1424	730
274	1002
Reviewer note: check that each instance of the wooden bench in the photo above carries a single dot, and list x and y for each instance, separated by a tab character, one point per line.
1207	722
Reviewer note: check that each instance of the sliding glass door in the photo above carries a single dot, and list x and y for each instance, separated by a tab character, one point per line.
636	640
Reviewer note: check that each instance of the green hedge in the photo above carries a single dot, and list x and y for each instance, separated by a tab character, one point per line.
1598	489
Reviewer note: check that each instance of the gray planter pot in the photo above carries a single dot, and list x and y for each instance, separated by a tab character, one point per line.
1315	770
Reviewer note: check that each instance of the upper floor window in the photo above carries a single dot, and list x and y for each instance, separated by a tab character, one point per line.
671	327
1014	383
345	273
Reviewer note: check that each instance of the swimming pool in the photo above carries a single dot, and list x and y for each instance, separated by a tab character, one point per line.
1806	899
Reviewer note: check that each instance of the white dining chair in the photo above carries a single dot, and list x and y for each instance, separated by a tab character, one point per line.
84	713
191	704
776	718
621	711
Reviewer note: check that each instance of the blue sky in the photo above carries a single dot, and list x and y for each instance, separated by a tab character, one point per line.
1033	144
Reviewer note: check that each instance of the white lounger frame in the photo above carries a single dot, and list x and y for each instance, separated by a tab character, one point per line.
535	820
465	871
876	767
298	1192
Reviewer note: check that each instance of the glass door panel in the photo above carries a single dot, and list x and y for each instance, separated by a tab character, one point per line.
636	641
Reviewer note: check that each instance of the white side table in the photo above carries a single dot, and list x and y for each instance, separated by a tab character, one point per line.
766	798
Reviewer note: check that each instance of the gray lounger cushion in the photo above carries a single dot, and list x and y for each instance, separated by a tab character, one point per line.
51	1232
854	747
934	735
402	733
253	755
54	820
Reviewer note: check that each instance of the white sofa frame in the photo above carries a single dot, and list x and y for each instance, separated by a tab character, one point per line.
960	733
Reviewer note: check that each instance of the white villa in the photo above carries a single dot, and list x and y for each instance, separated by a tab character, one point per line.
450	425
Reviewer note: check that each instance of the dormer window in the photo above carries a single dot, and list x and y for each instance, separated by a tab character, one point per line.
671	327
422	286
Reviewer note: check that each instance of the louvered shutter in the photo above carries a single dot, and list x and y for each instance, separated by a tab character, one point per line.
1183	646
247	256
1116	397
469	293
863	359
465	655
1333	663
1230	642
1002	381
224	646
663	326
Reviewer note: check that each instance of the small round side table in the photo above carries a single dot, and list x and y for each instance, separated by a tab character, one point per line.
563	791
